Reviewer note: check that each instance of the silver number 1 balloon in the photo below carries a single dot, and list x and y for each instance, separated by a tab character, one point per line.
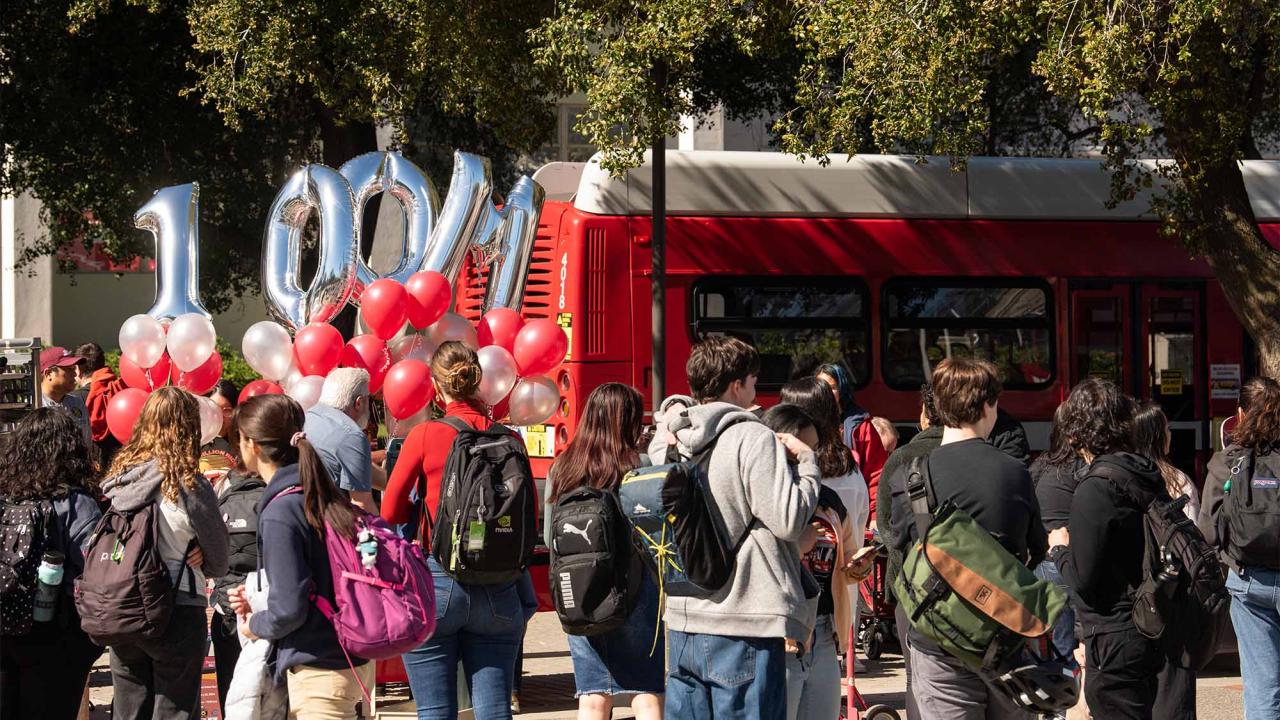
314	188
172	215
463	214
509	250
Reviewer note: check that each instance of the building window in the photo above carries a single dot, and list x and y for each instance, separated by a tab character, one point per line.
795	323
1007	322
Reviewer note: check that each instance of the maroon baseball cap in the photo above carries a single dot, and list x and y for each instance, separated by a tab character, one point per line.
56	357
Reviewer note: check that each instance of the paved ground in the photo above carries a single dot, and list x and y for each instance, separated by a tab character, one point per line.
548	683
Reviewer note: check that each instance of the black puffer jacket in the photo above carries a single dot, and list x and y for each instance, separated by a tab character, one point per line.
1103	563
239	505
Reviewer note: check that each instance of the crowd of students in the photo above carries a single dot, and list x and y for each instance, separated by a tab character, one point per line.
796	484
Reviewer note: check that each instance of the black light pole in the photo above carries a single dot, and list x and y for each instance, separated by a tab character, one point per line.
658	281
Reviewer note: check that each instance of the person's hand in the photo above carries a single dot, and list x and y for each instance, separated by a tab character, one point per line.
244	627
1060	536
793	444
238	597
859	568
808	539
195	558
872	526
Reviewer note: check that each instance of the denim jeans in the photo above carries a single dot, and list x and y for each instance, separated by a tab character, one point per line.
479	625
1255	613
713	676
1064	630
813	679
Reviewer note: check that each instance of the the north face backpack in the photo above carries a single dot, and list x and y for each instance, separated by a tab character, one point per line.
27	529
964	590
1183	586
1249	520
125	593
485	525
595	571
676	521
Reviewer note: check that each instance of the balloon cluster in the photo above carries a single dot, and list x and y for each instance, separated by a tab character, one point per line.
514	354
153	355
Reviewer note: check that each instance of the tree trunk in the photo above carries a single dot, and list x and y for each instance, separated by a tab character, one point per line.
1246	266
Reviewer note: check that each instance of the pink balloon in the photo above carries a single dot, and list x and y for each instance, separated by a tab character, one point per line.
412	347
317	349
499	326
368	353
145	379
259	387
540	346
382	305
408	388
202	379
533	401
429	295
123	412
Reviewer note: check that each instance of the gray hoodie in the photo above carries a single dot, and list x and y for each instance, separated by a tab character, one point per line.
750	480
194	517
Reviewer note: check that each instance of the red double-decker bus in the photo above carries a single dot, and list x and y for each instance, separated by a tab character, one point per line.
889	265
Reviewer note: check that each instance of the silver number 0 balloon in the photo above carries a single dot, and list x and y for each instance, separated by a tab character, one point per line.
313	188
172	216
389	172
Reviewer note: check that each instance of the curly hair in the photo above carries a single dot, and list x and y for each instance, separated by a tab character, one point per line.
44	456
168	432
1097	418
1259	429
455	369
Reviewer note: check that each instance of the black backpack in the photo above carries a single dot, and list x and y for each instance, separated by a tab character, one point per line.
595	572
485	524
27	529
1249	521
1183	590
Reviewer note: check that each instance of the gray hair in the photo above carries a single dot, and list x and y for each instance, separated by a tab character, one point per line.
343	386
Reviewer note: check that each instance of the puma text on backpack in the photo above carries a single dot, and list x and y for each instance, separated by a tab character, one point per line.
1249	520
677	522
27	529
962	589
125	593
485	524
1184	584
595	572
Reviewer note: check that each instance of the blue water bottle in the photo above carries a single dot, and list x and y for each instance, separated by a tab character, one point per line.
49	586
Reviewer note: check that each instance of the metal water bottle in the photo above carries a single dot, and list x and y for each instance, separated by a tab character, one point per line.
49	586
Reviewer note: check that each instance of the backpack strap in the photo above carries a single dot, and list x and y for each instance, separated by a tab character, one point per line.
923	498
454	422
1243	471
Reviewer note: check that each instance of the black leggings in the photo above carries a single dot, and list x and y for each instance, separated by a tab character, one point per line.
43	674
226	651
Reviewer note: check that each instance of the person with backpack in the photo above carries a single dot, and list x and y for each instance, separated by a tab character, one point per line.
155	479
1100	552
1241	516
616	643
1152	438
47	511
736	631
479	623
322	681
995	491
238	496
857	430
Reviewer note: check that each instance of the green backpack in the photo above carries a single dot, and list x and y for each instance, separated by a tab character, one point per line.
963	589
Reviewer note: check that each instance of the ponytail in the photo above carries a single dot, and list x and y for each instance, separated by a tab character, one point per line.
322	501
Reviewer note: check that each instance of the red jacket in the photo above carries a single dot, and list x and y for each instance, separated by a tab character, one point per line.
103	385
423	456
868	451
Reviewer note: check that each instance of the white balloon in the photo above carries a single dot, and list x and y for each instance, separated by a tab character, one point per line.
210	419
142	340
533	401
401	428
454	327
191	341
307	391
268	349
412	347
498	373
291	378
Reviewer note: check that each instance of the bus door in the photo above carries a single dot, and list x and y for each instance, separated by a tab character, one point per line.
1148	337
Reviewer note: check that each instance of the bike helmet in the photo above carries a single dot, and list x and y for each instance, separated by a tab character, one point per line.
1046	686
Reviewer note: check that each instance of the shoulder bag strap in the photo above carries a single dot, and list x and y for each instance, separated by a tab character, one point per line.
920	491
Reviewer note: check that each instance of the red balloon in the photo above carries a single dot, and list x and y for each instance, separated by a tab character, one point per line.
370	353
123	412
317	348
540	346
429	295
259	387
202	379
501	410
499	326
408	388
145	379
382	305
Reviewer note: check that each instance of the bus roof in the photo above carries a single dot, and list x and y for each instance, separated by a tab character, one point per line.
753	184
